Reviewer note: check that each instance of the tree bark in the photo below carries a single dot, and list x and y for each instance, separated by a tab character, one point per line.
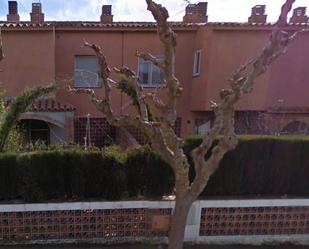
178	223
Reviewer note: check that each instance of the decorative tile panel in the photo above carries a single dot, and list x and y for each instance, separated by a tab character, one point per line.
254	221
79	224
102	133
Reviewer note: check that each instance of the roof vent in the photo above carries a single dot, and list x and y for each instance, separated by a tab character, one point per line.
36	15
258	14
196	13
299	15
107	16
13	15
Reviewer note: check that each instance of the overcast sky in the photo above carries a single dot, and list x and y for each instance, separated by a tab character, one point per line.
135	10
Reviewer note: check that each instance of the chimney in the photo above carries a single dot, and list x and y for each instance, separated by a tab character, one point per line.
196	13
299	15
36	15
13	15
107	16
258	14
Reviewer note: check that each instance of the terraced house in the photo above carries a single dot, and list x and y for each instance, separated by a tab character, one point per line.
40	52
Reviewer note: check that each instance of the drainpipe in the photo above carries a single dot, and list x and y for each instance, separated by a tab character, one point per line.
54	41
122	64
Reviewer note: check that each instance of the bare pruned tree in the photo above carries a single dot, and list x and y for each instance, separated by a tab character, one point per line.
161	133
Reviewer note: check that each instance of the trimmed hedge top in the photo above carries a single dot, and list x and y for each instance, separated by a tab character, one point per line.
72	175
259	166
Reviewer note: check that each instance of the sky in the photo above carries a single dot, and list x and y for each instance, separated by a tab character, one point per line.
135	10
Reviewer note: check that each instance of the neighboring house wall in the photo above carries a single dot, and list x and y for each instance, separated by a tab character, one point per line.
29	58
282	85
68	45
289	80
48	52
230	48
119	47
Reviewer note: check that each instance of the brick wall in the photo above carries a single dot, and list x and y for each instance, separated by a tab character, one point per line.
219	221
79	224
254	221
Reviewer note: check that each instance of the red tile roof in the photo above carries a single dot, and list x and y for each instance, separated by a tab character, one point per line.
141	25
50	105
246	24
82	24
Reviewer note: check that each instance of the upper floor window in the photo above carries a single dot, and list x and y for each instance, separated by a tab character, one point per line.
86	72
149	74
197	63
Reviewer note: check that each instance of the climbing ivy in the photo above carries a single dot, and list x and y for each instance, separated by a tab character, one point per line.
127	88
19	105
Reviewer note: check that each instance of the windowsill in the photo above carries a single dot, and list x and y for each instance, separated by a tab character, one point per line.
154	86
88	87
196	75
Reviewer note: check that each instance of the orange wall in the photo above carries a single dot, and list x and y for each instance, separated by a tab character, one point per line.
149	42
229	49
287	79
29	60
68	45
120	49
35	57
198	94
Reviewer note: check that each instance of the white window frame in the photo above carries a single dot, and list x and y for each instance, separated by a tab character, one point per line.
197	63
99	80
151	85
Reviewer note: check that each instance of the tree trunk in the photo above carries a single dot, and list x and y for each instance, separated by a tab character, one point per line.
178	224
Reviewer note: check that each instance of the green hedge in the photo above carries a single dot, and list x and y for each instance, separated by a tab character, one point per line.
8	177
76	175
259	166
70	175
147	174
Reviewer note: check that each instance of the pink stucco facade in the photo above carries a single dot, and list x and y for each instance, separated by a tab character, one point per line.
44	52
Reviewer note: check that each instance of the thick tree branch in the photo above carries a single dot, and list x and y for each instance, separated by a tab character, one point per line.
133	80
158	103
240	85
104	73
180	163
104	104
150	129
168	39
89	92
149	57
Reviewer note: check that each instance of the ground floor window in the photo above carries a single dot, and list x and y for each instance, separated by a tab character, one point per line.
35	130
